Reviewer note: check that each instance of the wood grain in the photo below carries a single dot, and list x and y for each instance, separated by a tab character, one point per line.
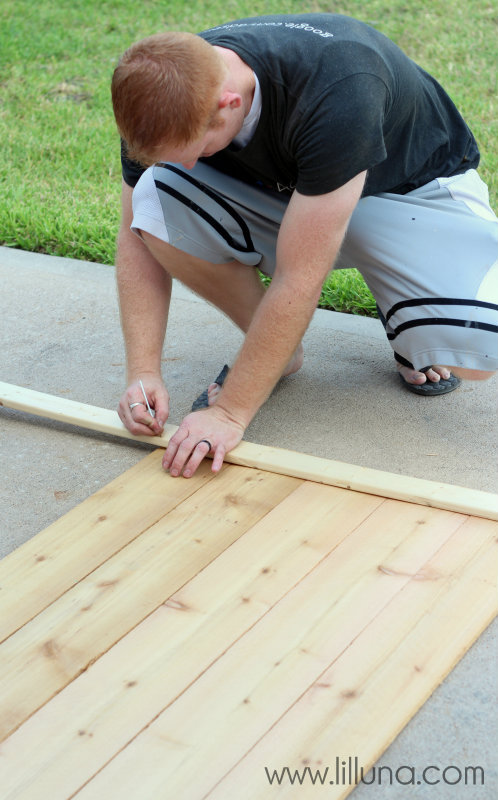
171	638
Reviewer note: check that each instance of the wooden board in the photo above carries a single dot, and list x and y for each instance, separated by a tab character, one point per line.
271	459
187	638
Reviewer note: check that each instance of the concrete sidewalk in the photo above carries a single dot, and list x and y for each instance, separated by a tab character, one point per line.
60	334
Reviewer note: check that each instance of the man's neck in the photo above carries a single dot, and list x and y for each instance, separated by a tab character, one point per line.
240	77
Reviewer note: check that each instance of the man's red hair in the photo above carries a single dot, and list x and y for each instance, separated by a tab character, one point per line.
165	90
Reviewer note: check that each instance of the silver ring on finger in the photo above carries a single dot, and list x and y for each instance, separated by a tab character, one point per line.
133	405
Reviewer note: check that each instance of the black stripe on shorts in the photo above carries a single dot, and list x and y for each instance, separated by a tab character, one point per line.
460	323
247	247
438	301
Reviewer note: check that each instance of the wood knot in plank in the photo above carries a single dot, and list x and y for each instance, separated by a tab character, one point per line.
107	584
232	500
176	604
50	648
421	575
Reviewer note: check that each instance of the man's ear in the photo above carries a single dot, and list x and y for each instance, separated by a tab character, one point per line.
230	99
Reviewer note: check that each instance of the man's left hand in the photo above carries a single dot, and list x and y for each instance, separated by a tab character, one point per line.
210	430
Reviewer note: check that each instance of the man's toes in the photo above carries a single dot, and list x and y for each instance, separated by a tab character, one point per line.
412	375
442	372
432	375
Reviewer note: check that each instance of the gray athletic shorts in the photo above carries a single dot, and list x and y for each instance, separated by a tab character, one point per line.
429	257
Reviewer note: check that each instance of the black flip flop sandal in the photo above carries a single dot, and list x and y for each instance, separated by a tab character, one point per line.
429	388
202	400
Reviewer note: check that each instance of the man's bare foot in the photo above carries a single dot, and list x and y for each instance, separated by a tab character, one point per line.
294	365
434	374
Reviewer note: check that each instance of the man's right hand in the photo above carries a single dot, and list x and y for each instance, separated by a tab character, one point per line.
137	419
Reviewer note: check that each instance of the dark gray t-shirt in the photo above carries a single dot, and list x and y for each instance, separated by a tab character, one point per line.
338	98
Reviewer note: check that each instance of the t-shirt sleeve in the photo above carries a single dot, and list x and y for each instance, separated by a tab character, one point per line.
131	170
343	135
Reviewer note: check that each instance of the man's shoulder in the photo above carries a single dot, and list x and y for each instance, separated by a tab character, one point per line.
308	31
290	47
322	24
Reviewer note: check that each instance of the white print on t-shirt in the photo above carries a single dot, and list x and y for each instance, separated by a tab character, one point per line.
303	26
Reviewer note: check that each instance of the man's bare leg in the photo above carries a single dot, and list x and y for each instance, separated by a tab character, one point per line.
237	291
233	288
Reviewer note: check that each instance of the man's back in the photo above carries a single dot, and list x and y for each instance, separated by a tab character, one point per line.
338	98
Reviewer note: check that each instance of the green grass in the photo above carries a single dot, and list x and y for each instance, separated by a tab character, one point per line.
59	157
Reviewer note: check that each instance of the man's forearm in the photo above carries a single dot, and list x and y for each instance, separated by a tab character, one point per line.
310	237
274	335
144	289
